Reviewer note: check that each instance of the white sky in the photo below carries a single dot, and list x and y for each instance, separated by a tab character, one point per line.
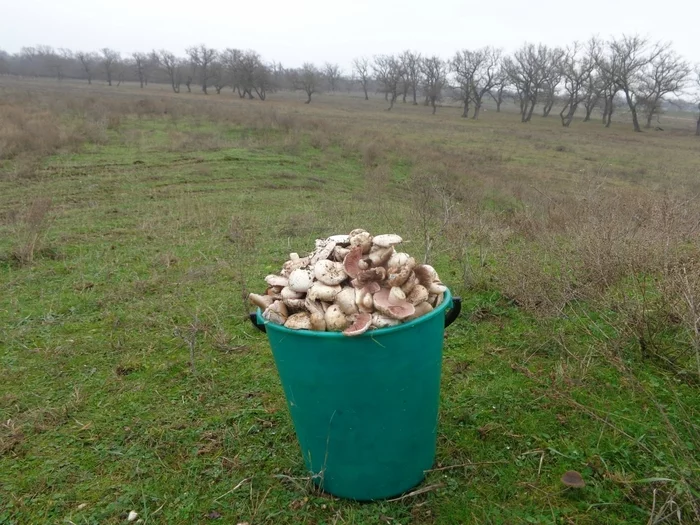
314	30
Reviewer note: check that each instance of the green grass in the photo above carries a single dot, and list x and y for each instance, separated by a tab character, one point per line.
152	244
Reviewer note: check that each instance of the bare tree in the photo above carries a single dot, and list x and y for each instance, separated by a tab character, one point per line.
171	65
484	79
388	73
332	74
140	60
593	93
576	71
201	58
498	90
87	61
463	67
110	59
307	80
411	74
666	73
529	71
552	73
361	68
628	56
434	72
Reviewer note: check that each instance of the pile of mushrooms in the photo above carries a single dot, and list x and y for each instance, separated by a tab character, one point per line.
350	283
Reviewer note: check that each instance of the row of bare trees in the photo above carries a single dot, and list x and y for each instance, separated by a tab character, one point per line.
606	75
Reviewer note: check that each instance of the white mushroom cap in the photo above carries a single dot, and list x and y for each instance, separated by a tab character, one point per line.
361	238
418	295
318	322
381	321
276	313
335	319
379	256
300	280
323	292
346	300
299	321
288	293
323	252
329	272
398	259
386	240
343	240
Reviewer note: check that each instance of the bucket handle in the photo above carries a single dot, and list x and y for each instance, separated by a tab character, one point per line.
254	319
453	313
450	317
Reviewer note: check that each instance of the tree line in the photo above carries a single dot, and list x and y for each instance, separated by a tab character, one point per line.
629	71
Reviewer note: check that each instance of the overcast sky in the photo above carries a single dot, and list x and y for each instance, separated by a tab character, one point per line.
313	30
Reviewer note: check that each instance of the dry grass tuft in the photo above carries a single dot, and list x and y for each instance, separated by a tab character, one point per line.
30	231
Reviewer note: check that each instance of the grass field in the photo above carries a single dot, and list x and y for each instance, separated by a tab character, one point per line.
133	224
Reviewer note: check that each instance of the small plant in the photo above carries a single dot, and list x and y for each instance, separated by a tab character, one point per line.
31	231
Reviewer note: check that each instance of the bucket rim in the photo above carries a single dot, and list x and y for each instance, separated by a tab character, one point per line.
446	304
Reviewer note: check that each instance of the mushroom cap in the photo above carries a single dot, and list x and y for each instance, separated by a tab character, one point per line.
362	323
329	272
340	239
352	261
426	274
386	240
399	276
276	313
324	250
361	238
571	478
437	287
323	292
379	256
318	322
421	309
340	252
418	295
382	321
298	321
396	310
300	280
288	293
397	295
276	280
398	259
346	300
335	319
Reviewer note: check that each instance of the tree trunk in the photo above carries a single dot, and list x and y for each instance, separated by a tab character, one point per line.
141	80
589	110
204	87
364	87
477	108
308	100
393	99
89	80
434	106
633	110
697	128
109	79
415	99
547	108
498	104
465	113
386	96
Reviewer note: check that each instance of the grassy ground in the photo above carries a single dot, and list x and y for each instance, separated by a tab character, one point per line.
158	225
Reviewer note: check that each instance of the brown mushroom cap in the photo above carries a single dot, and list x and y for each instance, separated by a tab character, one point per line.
421	309
571	478
362	323
397	310
425	274
335	319
261	301
318	322
379	256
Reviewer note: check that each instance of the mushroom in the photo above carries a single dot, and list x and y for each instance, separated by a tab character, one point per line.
323	252
396	295
276	280
398	276
300	280
573	479
335	319
361	324
361	238
410	283
276	313
295	305
288	293
426	274
437	287
398	259
368	276
418	295
340	252
351	263
318	321
381	321
261	301
378	256
342	240
329	272
299	321
323	292
421	309
346	300
395	310
386	240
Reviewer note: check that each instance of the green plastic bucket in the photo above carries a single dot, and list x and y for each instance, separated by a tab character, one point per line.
364	408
